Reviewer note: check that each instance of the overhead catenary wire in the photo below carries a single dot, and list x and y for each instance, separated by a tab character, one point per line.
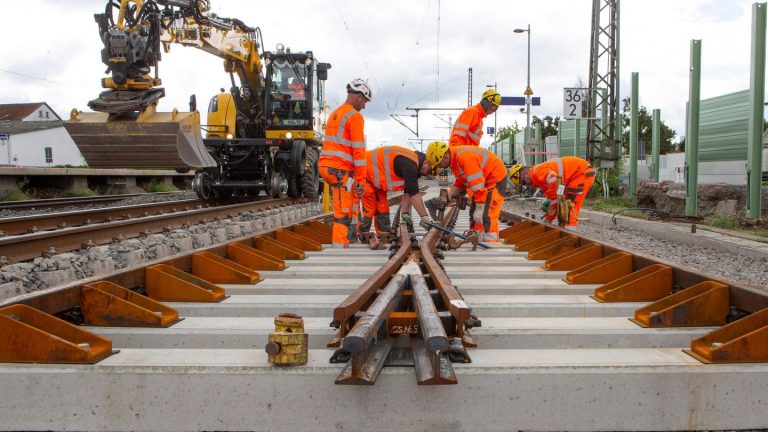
357	46
410	60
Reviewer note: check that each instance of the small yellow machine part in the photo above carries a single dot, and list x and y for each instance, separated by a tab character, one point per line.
288	344
564	207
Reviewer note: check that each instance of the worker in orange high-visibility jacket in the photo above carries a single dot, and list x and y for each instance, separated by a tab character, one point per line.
392	168
480	171
569	176
342	161
468	128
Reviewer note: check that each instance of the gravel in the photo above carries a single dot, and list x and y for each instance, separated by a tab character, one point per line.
60	269
141	199
710	261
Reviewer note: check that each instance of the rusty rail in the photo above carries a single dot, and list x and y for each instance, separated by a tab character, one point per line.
24	247
18	225
427	332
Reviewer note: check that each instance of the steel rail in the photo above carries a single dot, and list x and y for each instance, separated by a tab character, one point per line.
367	341
61	202
18	225
451	297
57	300
430	351
24	247
746	297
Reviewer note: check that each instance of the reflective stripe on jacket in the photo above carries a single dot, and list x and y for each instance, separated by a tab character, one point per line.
344	144
570	168
476	169
468	128
381	171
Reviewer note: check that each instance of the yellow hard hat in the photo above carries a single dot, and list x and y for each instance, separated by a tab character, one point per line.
492	96
435	152
515	174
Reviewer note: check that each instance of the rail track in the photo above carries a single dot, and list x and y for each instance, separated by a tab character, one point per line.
551	346
61	232
70	201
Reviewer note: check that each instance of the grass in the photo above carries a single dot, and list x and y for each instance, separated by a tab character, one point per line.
610	204
156	186
15	195
84	192
735	224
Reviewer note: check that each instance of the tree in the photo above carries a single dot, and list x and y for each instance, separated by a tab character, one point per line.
550	126
505	132
645	130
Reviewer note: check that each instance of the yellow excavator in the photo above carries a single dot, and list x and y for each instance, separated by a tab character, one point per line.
260	136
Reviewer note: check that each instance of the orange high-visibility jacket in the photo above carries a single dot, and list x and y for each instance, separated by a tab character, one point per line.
344	144
544	175
468	128
477	169
381	169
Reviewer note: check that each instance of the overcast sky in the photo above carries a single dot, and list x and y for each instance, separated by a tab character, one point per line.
50	52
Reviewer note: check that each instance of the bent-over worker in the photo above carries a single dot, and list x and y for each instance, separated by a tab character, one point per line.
569	176
480	171
392	168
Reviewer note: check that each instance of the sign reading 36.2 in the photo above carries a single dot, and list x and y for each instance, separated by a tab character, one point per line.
573	99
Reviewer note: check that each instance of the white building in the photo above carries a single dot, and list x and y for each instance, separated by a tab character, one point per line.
33	135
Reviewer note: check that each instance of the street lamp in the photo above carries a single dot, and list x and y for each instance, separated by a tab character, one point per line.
527	97
495	133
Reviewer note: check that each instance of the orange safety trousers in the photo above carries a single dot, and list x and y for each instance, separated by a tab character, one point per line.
489	230
376	208
343	204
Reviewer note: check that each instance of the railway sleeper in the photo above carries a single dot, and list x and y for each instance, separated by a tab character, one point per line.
679	297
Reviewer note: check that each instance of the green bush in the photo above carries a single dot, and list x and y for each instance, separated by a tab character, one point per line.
15	195
158	186
84	192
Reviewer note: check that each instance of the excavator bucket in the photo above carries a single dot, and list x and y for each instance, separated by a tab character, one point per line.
149	140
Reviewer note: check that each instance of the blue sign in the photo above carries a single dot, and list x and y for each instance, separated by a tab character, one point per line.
3	137
519	100
490	130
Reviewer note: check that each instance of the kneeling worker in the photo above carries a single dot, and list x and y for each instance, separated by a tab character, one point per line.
570	177
483	173
392	168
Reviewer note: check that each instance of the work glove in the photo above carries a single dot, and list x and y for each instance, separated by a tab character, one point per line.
545	205
425	222
477	216
549	207
359	189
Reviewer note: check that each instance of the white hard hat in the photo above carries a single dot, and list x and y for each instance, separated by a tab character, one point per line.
360	85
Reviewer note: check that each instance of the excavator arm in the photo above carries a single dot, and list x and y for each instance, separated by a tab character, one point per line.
126	131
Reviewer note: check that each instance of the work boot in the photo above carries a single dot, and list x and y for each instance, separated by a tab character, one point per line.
373	242
431	206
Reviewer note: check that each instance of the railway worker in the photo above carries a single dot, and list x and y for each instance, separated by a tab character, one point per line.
571	177
342	162
468	128
480	171
392	168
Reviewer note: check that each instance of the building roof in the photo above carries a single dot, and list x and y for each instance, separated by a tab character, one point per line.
18	111
14	127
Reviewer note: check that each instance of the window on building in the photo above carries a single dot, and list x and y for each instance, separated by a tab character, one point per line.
40	113
46	114
48	155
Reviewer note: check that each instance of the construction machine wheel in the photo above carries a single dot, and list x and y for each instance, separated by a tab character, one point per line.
276	184
310	180
298	157
293	186
201	184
